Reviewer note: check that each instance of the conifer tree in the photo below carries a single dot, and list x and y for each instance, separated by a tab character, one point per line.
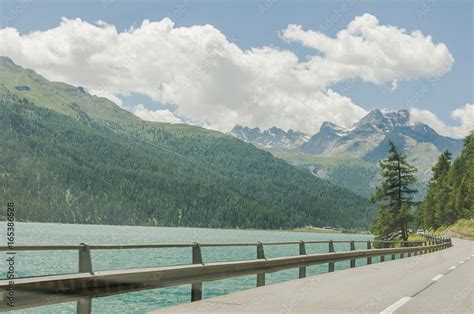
450	195
436	199
394	196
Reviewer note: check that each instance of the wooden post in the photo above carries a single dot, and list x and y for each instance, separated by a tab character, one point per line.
196	287
425	245
331	249
260	255
302	252
409	245
369	247
392	245
353	261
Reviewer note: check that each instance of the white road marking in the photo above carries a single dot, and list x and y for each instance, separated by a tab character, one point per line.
437	277
461	262
395	306
452	267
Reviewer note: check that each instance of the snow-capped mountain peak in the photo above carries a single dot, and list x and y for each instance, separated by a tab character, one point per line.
383	120
271	138
368	138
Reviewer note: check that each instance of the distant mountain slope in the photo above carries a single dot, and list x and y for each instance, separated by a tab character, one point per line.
366	140
71	157
409	137
351	173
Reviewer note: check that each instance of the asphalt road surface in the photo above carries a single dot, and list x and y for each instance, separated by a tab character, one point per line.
438	282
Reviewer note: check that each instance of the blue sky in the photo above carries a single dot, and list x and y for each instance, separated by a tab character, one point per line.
258	23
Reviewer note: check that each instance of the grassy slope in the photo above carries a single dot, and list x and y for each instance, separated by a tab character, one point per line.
351	173
463	227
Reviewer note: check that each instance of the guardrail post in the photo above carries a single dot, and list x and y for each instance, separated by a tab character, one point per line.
409	244
425	244
85	260
353	261
392	245
331	250
382	257
196	287
369	247
302	272
84	305
260	255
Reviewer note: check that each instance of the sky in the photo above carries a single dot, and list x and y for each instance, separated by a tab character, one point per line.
290	64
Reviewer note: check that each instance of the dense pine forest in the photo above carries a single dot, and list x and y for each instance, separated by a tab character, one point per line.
75	158
450	195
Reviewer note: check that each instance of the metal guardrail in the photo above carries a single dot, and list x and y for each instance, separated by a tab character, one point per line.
87	284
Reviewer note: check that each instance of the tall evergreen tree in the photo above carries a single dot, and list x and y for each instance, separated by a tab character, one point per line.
394	196
435	201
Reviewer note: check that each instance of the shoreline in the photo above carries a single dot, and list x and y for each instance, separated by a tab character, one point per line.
296	229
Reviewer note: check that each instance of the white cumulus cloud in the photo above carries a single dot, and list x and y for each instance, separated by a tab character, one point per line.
464	115
210	79
155	115
376	53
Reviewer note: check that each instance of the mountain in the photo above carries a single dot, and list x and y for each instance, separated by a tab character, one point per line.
365	143
368	138
71	157
271	138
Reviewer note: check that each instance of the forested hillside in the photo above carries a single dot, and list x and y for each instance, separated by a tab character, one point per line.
450	195
71	157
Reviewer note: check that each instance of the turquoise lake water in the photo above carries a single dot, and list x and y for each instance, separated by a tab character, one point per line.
60	262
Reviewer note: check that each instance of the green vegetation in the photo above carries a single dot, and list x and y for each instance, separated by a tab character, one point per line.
464	227
416	237
76	158
302	159
395	197
351	173
450	195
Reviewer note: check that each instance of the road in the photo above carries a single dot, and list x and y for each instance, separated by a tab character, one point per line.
439	282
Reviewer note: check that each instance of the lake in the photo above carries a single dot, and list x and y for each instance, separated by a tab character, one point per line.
59	262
